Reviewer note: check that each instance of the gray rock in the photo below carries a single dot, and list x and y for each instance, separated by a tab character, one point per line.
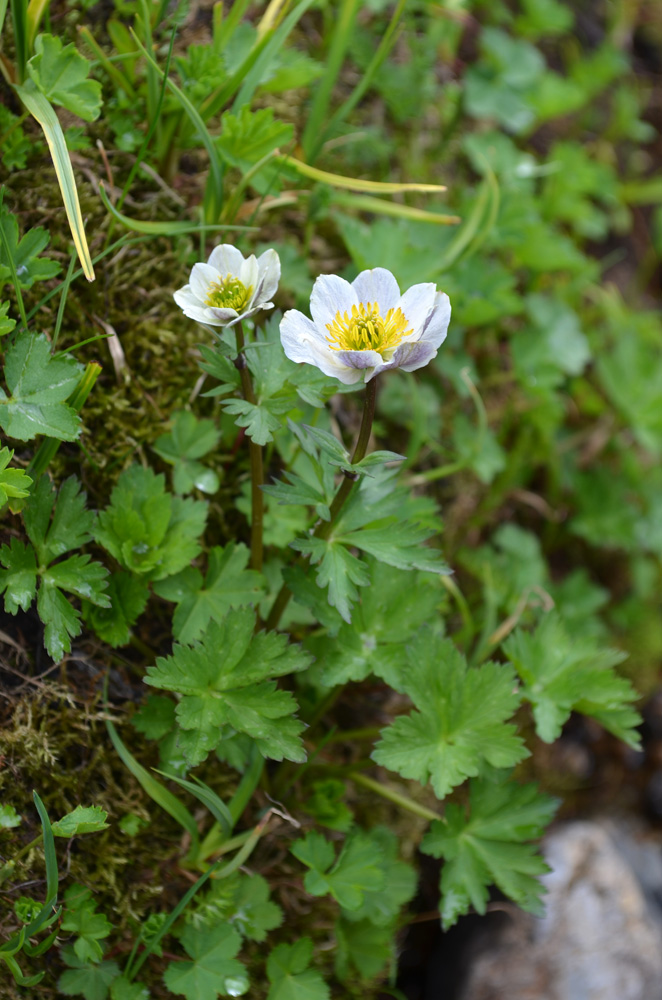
601	936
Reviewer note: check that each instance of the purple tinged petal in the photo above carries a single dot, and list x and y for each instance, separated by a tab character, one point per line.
415	354
377	285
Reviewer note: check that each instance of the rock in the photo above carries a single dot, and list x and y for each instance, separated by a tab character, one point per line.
601	936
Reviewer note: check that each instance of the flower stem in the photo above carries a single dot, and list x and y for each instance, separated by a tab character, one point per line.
399	800
324	529
255	455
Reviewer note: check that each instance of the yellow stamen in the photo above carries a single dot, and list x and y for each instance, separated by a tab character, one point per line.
367	330
228	293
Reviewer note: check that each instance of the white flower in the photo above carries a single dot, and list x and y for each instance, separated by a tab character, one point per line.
229	287
367	327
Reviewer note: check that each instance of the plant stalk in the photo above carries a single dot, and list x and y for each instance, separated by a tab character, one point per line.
255	455
399	800
325	528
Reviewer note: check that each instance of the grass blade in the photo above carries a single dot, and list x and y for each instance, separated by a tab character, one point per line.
208	797
156	791
49	850
43	111
167	228
319	109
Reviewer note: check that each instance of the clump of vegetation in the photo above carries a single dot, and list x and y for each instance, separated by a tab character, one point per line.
303	586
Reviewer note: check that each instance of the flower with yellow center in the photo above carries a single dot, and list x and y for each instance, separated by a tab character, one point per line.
366	327
229	287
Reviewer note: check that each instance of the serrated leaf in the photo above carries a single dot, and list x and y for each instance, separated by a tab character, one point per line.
391	610
28	265
149	531
364	946
39	385
60	73
156	717
382	905
83	819
246	138
487	845
78	575
7	324
228	584
563	673
13	482
255	914
289	975
339	570
257	418
461	720
213	970
18	580
61	620
86	979
398	544
80	918
227	679
189	440
122	989
127	596
72	524
355	873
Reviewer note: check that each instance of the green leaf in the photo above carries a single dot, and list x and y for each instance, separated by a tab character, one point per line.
486	845
128	596
392	609
39	385
259	419
289	975
83	819
9	818
18	580
246	138
13	482
227	679
156	717
563	673
188	441
28	265
213	970
460	724
7	324
326	805
381	906
81	919
72	524
122	989
364	946
339	570
228	584
91	981
147	530
77	575
62	621
60	73
254	912
355	872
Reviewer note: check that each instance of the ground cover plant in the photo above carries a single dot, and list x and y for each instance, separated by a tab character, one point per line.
329	475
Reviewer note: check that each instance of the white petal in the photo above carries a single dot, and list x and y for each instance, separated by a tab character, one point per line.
202	276
192	307
302	343
268	265
222	316
226	259
417	303
378	286
436	325
331	295
248	275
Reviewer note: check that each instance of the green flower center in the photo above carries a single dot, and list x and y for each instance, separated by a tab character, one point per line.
367	330
228	293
